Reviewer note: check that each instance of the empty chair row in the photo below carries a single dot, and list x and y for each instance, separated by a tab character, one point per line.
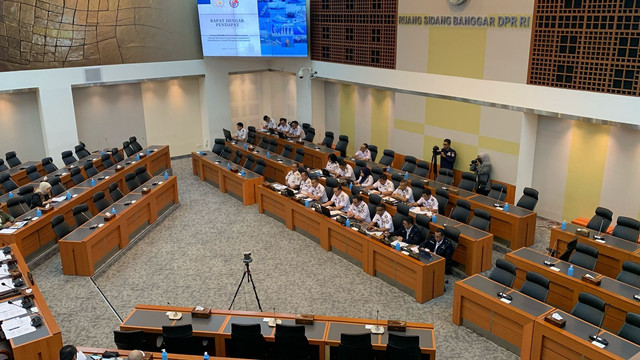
626	228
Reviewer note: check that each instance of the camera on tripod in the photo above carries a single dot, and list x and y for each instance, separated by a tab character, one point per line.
436	150
247	257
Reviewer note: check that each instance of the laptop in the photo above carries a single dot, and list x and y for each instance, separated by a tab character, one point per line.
227	134
325	211
281	135
326	173
272	131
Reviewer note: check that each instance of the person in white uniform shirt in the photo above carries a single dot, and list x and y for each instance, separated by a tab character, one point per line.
317	191
365	180
70	352
339	201
293	177
305	182
383	186
332	165
345	171
269	123
296	130
241	133
427	202
359	210
403	193
363	153
382	221
283	126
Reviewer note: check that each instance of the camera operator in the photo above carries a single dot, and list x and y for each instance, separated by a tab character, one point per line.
447	154
481	166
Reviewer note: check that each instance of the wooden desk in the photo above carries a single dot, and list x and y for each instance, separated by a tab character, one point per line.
572	341
212	168
46	341
476	306
19	173
277	166
323	334
156	355
564	290
315	156
423	279
84	247
611	254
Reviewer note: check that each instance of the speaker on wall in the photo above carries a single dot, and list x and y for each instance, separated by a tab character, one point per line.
93	75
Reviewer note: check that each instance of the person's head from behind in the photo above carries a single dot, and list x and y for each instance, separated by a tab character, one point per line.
240	125
338	190
135	355
44	188
407	222
446	143
68	352
266	118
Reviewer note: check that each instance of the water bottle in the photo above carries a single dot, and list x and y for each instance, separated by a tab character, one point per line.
268	155
68	195
166	175
38	213
564	225
113	210
242	173
348	223
200	152
165	356
11	195
306	203
93	182
350	186
206	356
102	152
137	157
245	146
148	152
570	271
389	169
228	166
434	218
398	246
506	207
406	175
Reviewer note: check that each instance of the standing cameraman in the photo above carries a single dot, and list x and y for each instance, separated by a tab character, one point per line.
447	155
481	166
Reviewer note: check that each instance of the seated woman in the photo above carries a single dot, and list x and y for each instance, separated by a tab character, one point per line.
42	196
365	179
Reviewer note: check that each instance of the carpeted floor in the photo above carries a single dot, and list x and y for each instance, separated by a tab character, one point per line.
194	257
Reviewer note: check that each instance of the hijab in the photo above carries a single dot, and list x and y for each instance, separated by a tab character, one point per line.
485	158
365	174
43	188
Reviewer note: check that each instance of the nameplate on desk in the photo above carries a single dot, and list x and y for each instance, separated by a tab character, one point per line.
454	191
304	319
46	209
251	148
142	155
108	216
119	168
145	190
582	232
397	325
234	170
601	241
200	312
557	321
15	273
591	280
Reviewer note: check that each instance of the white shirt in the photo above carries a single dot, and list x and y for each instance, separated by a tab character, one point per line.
341	201
388	186
383	221
319	191
296	132
431	203
305	185
347	172
367	182
364	155
293	178
242	134
284	128
271	124
435	248
333	167
406	193
361	210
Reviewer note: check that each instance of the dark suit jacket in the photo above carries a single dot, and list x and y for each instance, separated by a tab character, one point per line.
414	235
445	249
37	200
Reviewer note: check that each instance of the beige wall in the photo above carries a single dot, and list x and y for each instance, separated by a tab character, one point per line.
20	128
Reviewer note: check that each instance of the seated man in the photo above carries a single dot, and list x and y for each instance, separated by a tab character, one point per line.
363	153
283	126
241	133
403	192
382	221
135	355
345	171
408	233
269	123
6	220
427	202
293	177
296	131
359	210
383	186
441	246
317	191
339	201
332	165
305	182
70	352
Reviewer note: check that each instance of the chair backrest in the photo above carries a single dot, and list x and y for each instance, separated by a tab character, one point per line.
481	219
417	187
299	157
48	165
115	192
403	209
589	308
422	168
135	144
129	340
3	166
126	146
373	149
504	272
142	174
601	220
132	181
372	208
387	157
32	173
237	159
7	183
343	141
376	172
328	139
536	286
445	176
218	146
291	342
286	151
82	214
56	186
27	193
251	137
68	158
248	162
529	199
409	164
89	169
260	165
585	256
403	347
631	328
627	228
273	145
498	191
251	129
106	160
76	175
60	228
375	199
305	126
331	183
264	143
115	154
12	159
17	206
396	178
451	233
468	181
309	134
100	201
247	341
461	212
355	347
226	153
180	340
359	165
442	196
177	331
81	152
396	219
630	273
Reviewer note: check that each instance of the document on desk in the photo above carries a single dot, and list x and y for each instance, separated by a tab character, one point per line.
402	244
417	210
374	233
9	311
8	231
58	199
335	212
16	327
8	285
4	256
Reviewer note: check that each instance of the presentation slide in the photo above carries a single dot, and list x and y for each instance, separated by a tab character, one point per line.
253	27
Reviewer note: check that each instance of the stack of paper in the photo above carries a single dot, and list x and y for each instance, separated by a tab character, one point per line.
16	327
4	256
8	311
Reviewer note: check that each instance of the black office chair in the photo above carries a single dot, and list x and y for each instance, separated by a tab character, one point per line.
481	219
330	184
585	256
422	169
461	212
90	169
135	145
403	209
81	152
375	199
299	157
373	149
468	181
571	247
630	273
291	343
589	308
218	146
627	228
417	187
504	272
445	176
115	154
100	201
453	235
376	172
180	340
130	340
273	146
498	191
27	193
126	146
106	160
32	173
260	165
132	181
3	166
17	206
372	207
251	138
387	157
247	341
237	159
536	286
601	220
142	174
115	192
396	178
631	328
409	164
328	139
76	175
343	141
305	126
264	143
248	162
442	196
226	153
68	158
286	151
60	227
56	186
12	159
355	347
7	183
309	134
529	199
403	347
48	165
82	214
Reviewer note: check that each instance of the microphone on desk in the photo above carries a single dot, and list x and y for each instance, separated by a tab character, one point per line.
553	251
174	315
274	321
497	204
377	329
22	205
503	294
598	237
595	337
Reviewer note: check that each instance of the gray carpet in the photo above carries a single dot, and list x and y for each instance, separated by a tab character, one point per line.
194	257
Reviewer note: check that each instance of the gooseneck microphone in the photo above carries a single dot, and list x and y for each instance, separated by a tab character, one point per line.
598	237
595	337
503	294
497	204
553	250
174	315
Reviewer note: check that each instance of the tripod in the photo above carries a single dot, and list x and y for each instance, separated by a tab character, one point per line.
246	273
434	166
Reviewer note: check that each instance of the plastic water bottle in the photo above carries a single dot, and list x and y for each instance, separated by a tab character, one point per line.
570	271
200	152
506	207
268	155
113	210
228	166
306	203
242	172
68	195
347	223
148	151
245	146
93	182
350	186
389	169
564	225
398	246
102	152
11	195
434	218
38	213
206	356
165	356
166	175
137	157
406	175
